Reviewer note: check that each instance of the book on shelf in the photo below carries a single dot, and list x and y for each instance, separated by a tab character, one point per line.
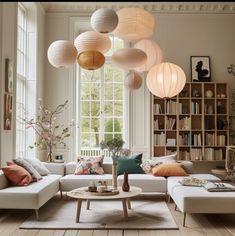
157	109
155	124
212	154
195	108
210	139
196	140
196	154
171	107
184	155
184	123
221	140
184	139
170	142
160	139
170	123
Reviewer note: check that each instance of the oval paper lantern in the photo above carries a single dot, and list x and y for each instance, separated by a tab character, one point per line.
61	53
104	20
133	80
92	41
129	58
153	51
166	80
91	60
134	24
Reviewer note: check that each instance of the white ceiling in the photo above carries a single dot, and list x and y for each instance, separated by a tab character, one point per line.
225	7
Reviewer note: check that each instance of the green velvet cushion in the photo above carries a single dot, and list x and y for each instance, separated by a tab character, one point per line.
131	164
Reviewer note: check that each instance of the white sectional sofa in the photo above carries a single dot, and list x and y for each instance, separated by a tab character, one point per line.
62	179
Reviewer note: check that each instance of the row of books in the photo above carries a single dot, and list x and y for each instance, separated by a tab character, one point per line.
160	139
185	123
170	122
195	108
184	139
184	155
196	154
171	107
210	139
157	109
212	154
196	139
183	109
221	140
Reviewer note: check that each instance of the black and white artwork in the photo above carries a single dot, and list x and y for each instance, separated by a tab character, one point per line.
200	68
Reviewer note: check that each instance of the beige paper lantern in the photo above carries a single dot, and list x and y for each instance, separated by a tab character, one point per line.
133	80
129	58
134	24
104	20
166	80
92	41
91	60
62	54
153	51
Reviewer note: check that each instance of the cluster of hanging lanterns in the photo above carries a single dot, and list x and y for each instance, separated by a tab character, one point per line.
134	25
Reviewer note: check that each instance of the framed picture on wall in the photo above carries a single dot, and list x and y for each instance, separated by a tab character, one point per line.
8	75
7	111
200	68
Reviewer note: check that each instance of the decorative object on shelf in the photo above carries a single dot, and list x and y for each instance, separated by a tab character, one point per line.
166	80
134	24
91	60
61	54
210	109
220	108
133	80
104	20
59	158
196	93
115	147
200	68
92	41
50	134
129	58
125	185
231	69
209	93
153	51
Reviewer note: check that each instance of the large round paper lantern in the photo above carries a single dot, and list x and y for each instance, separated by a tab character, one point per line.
129	58
133	80
104	20
91	60
61	53
153	51
134	24
166	80
92	41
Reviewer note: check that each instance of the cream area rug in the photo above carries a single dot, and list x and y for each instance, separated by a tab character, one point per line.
61	214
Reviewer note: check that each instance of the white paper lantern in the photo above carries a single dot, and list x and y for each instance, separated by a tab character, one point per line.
166	80
129	58
134	24
104	20
92	41
133	80
153	51
61	53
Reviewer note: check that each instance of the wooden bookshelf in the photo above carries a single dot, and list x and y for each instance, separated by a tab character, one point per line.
195	123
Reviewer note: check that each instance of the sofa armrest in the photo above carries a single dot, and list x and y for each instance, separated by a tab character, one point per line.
55	168
3	181
187	165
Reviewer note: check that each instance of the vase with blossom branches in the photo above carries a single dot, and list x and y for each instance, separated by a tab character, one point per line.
50	133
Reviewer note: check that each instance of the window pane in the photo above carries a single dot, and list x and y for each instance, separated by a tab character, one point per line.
85	140
108	125
85	125
85	91
118	109
118	91
108	91
95	125
94	140
85	108
95	91
95	108
117	75
108	108
118	125
108	73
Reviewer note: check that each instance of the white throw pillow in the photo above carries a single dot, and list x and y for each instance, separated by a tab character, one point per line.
41	169
166	159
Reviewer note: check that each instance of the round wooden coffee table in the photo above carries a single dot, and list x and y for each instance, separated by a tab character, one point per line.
82	194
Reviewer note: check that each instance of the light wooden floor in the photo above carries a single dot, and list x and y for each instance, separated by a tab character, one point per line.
196	225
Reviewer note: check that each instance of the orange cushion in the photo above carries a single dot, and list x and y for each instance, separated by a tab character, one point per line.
17	175
170	169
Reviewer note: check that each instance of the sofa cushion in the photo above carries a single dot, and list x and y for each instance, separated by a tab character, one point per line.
3	181
32	196
17	175
148	183
26	165
70	182
38	165
167	158
89	166
55	168
171	169
130	164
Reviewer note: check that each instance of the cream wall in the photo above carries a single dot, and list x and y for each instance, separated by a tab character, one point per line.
180	35
8	47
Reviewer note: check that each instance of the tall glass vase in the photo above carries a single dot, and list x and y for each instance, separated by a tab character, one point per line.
114	174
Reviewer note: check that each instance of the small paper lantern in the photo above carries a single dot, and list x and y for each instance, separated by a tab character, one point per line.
153	52
104	20
134	24
61	53
166	80
129	58
92	41
133	80
91	60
